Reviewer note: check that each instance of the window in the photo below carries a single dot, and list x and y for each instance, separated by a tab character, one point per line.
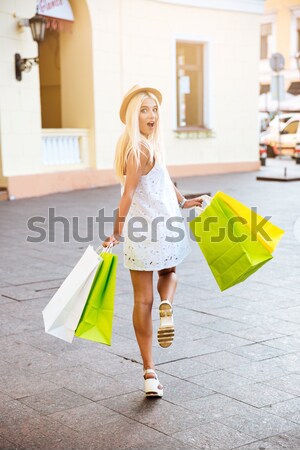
265	40
291	128
189	84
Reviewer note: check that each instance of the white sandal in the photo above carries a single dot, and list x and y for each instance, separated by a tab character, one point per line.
166	331
151	385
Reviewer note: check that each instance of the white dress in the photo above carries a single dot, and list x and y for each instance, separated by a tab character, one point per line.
154	232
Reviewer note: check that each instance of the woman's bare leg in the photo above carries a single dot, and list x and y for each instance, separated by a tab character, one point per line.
167	283
142	282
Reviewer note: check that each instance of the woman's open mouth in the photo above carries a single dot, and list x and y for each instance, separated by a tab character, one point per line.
151	124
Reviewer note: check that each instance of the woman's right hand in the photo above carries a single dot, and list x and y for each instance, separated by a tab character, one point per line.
113	239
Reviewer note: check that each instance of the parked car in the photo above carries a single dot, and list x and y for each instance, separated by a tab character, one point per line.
284	118
263	121
289	136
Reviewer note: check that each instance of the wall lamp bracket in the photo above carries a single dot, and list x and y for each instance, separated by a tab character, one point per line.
23	65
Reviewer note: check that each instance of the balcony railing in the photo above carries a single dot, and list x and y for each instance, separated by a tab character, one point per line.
65	146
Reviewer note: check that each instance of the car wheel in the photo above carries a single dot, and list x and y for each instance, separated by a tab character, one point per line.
270	152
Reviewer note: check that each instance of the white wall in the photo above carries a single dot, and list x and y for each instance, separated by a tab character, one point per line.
20	101
134	43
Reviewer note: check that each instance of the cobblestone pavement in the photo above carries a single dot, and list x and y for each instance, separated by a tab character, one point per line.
231	378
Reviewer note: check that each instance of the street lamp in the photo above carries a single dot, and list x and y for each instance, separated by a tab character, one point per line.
37	25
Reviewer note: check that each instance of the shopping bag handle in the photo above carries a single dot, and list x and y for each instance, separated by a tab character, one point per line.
207	199
106	249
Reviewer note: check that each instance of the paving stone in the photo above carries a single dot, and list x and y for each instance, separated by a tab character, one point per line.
218	379
83	417
257	395
289	409
54	401
4	398
260	370
227	326
213	435
14	410
221	359
121	433
288	383
100	361
280	442
290	362
177	351
257	352
6	445
258	424
185	368
11	325
5	300
153	412
26	292
165	443
215	406
45	364
220	343
287	343
19	384
214	331
37	432
256	334
192	316
18	351
87	383
178	391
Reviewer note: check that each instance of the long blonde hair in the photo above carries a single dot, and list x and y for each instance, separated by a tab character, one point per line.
131	139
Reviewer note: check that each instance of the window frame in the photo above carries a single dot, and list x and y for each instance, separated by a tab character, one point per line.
264	64
295	15
207	81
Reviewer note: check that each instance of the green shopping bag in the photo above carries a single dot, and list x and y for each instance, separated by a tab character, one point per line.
229	242
97	317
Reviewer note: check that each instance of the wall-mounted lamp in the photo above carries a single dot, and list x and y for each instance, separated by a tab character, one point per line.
37	25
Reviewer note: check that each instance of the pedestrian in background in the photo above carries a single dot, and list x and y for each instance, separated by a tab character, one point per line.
149	198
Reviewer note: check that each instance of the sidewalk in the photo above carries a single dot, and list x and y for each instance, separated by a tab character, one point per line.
231	379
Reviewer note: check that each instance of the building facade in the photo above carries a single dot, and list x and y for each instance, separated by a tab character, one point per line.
280	32
59	125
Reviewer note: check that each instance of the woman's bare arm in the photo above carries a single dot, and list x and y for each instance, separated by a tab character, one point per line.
197	201
133	174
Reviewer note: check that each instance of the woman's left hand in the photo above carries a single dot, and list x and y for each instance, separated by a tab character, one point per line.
197	201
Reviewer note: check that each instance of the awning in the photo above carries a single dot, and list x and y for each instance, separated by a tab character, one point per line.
294	88
58	13
264	88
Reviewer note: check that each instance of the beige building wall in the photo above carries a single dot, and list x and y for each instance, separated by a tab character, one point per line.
112	46
20	102
283	15
140	47
283	10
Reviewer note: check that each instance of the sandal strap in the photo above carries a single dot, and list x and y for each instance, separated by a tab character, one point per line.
146	371
166	302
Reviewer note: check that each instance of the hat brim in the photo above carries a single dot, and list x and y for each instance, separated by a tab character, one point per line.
128	97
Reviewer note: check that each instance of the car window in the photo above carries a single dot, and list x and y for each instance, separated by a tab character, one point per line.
291	128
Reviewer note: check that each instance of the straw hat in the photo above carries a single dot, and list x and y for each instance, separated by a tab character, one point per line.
131	93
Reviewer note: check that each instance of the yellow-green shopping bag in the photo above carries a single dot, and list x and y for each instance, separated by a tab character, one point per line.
231	241
96	321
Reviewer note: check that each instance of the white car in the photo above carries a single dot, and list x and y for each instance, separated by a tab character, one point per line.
289	137
284	118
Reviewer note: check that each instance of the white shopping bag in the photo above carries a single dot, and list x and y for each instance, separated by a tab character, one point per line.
63	312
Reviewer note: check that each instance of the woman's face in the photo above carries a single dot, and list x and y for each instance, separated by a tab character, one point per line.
148	116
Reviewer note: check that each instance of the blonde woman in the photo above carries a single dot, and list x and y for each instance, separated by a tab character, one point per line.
150	222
